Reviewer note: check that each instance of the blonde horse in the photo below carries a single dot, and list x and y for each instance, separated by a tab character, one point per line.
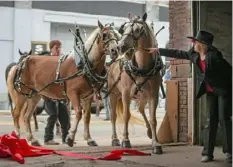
35	76
135	76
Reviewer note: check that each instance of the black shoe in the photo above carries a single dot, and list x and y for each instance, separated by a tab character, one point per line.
228	157
64	142
206	158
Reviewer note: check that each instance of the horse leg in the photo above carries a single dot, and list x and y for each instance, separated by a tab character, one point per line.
113	104
75	100
87	117
156	146
126	114
141	108
20	107
97	102
27	117
35	120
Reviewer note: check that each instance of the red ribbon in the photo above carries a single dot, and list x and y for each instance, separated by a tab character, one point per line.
11	145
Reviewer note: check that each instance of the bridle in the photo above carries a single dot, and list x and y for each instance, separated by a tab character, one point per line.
105	42
132	33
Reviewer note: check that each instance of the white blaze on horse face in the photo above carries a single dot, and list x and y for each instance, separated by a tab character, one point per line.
112	45
131	32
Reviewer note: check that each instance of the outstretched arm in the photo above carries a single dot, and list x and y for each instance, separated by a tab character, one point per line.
179	54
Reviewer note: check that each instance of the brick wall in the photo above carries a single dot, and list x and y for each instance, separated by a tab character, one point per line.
180	28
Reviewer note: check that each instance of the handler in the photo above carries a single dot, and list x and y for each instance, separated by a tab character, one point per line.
57	110
214	76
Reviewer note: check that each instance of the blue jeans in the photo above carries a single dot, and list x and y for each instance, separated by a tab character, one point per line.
107	108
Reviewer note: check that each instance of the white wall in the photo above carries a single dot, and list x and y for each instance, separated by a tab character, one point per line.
40	28
22	31
6	44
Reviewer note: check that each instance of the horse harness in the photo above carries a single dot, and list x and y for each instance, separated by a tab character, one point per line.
131	69
128	65
92	77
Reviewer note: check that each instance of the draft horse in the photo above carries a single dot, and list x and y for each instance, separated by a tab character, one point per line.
59	78
40	106
136	76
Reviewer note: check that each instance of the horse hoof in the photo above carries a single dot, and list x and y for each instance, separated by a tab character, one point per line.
157	150
116	142
35	143
92	143
149	133
70	142
126	144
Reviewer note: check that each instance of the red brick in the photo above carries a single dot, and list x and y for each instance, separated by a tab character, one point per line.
183	88
184	101
184	84
179	11
183	97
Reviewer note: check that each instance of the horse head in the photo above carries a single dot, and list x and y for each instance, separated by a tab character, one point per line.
132	31
108	39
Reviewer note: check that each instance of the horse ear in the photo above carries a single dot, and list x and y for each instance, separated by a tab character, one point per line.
20	52
30	53
100	25
144	17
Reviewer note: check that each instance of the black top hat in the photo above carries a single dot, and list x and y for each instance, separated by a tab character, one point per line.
204	37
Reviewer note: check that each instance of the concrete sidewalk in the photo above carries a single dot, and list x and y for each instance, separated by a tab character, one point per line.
174	156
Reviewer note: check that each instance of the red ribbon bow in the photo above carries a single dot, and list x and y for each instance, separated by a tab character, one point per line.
11	145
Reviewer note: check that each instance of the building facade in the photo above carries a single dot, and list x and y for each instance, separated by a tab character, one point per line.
32	24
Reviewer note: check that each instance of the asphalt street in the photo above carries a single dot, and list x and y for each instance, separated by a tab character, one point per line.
99	128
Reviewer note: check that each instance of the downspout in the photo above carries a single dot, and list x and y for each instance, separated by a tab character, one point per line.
195	19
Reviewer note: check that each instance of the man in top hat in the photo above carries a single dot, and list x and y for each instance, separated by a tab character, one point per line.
214	75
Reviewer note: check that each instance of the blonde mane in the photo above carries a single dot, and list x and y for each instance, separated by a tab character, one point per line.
149	35
88	43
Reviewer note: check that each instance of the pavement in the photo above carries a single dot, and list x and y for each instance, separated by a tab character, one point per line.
178	155
174	156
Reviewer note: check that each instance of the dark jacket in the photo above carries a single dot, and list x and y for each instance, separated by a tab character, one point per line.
218	71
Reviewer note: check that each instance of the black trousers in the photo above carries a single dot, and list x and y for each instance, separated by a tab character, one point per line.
56	110
220	111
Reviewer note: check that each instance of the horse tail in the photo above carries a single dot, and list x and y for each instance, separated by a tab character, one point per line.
8	68
120	115
40	107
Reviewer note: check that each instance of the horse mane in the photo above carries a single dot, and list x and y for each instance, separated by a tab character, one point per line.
88	42
149	35
91	38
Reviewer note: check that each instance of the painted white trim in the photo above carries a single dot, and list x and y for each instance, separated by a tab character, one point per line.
80	18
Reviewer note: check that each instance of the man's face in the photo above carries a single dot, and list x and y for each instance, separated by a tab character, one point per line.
198	46
56	50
